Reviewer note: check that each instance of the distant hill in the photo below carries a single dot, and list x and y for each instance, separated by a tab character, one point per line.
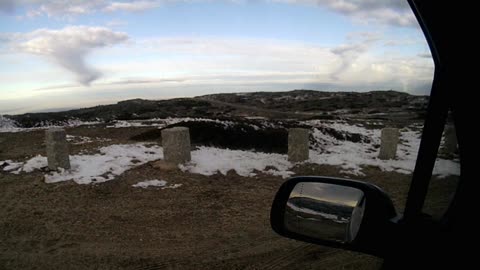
297	104
317	101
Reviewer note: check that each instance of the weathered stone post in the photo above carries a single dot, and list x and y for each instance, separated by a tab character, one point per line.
450	140
298	140
388	147
57	149
176	145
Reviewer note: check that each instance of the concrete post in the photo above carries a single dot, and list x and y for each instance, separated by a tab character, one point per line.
388	147
57	149
450	141
176	145
298	141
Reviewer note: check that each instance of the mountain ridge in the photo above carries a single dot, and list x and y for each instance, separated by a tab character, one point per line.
295	104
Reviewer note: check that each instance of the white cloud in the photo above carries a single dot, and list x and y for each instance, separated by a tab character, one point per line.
391	12
208	61
213	63
68	47
220	56
399	72
347	55
131	6
60	8
359	44
69	8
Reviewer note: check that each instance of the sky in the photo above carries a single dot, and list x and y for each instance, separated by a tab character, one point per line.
63	54
342	195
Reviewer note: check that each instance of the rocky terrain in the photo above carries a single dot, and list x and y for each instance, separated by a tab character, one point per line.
392	106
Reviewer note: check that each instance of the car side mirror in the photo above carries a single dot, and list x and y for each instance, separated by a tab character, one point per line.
334	212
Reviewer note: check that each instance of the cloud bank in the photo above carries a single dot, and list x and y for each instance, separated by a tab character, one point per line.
131	6
70	8
354	66
390	12
69	47
60	8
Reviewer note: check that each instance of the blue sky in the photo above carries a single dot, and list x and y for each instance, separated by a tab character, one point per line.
64	54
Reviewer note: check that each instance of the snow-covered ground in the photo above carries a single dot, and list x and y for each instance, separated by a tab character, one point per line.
83	139
8	125
351	157
112	161
210	160
136	123
150	183
161	123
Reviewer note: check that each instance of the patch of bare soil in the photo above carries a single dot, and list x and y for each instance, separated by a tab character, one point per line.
216	222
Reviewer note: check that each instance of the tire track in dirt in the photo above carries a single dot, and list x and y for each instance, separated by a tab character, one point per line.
262	256
217	258
286	258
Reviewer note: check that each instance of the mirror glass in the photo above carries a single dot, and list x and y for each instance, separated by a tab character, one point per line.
325	211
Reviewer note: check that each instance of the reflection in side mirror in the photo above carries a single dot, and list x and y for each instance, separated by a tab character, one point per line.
325	211
335	212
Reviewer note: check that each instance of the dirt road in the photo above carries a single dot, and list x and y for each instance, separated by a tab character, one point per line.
217	222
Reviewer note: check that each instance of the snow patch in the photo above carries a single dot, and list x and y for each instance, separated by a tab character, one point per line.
174	186
150	183
76	140
209	161
171	121
112	160
341	126
161	123
35	163
137	123
7	124
351	157
30	165
156	183
10	126
10	165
